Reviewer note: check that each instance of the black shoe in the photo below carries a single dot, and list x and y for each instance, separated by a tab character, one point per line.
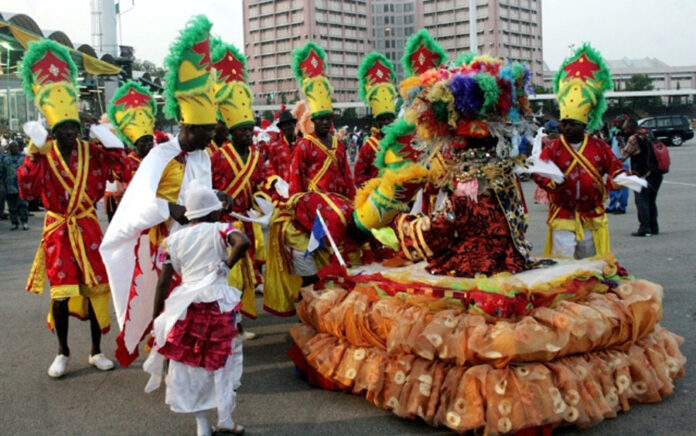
641	234
619	212
14	227
610	211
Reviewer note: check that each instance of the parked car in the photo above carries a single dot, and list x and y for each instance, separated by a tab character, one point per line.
675	128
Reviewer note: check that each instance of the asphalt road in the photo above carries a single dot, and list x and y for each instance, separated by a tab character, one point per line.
272	400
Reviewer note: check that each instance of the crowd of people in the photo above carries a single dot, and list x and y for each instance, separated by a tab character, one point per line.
200	220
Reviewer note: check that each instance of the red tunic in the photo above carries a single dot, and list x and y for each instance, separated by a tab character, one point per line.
365	168
583	190
238	178
130	166
280	157
316	167
54	181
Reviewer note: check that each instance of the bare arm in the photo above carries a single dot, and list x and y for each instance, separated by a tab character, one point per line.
163	283
239	244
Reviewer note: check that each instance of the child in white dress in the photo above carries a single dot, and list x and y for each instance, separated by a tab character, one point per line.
197	329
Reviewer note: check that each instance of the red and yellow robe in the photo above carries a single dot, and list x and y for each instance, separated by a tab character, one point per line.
280	157
365	168
576	204
242	180
316	167
68	253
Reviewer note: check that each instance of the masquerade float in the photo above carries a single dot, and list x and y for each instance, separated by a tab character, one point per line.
464	328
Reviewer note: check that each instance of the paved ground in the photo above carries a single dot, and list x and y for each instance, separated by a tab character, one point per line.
272	399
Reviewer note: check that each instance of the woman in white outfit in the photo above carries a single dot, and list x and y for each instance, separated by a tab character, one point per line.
197	329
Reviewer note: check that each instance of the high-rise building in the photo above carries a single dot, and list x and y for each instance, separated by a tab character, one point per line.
505	28
349	29
393	21
272	29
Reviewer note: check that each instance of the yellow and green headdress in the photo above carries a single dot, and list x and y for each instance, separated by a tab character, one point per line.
579	86
232	94
376	78
309	67
188	91
422	53
132	112
49	76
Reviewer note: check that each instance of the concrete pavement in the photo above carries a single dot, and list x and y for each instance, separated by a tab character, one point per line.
272	400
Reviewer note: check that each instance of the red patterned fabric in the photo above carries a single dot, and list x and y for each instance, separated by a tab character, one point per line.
203	339
365	168
337	217
36	179
580	191
280	157
482	244
307	161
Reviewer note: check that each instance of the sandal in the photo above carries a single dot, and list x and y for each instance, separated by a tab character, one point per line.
236	430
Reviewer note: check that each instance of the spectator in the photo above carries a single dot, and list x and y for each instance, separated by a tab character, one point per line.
618	199
639	149
17	206
3	215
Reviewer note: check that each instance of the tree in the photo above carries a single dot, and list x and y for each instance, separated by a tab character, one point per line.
641	82
149	67
350	113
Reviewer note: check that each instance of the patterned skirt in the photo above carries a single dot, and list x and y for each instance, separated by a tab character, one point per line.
202	339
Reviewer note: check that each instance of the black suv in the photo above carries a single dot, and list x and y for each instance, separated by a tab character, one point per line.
675	128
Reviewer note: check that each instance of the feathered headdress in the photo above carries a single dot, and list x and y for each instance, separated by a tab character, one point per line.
188	89
580	84
376	79
49	76
309	68
232	93
132	112
422	53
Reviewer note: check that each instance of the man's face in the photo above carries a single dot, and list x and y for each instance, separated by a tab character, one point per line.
144	144
221	132
288	129
242	136
573	130
67	133
196	137
322	124
384	120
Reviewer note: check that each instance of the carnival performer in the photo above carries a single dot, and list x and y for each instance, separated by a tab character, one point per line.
320	179
280	156
205	366
69	174
237	166
152	207
578	225
544	136
470	332
132	112
376	78
319	162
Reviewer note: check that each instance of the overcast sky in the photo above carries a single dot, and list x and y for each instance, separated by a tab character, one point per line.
662	29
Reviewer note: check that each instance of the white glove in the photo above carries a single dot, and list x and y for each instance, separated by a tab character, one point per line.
104	134
634	183
546	168
36	132
282	188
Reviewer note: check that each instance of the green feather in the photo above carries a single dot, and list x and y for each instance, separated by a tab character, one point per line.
421	37
366	64
195	31
36	51
392	132
603	75
120	92
300	54
464	58
491	92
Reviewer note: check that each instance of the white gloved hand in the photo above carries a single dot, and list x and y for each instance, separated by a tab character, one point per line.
282	188
546	168
634	183
103	133
36	132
